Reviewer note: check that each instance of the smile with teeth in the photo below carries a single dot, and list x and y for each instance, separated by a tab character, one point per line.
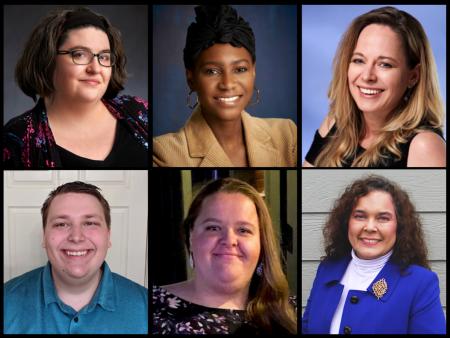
368	91
76	253
370	241
227	99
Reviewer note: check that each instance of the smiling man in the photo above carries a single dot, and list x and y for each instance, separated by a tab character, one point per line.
75	292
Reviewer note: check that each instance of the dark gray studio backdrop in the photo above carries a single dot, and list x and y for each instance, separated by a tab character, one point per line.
19	21
275	29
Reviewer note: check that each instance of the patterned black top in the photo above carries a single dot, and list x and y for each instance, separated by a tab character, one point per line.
28	141
174	315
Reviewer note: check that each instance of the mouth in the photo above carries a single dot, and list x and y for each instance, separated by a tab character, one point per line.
226	255
228	100
74	254
370	241
91	82
370	92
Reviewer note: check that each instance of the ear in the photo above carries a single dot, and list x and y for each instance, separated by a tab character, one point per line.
109	238
414	76
190	79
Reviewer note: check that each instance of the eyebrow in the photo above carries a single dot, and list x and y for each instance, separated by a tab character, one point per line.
216	220
222	64
87	48
64	216
380	213
378	58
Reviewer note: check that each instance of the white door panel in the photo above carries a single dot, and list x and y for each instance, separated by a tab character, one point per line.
126	193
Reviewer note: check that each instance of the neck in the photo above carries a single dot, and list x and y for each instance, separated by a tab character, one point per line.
217	297
76	293
373	123
229	134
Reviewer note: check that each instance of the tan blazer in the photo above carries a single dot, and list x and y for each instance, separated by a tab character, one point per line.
270	142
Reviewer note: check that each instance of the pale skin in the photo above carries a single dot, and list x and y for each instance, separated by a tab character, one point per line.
76	224
224	71
372	227
379	63
225	243
79	120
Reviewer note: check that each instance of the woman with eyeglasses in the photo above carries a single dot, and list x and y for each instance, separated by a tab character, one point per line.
74	61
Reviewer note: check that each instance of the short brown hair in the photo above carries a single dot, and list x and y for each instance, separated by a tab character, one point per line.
81	188
35	68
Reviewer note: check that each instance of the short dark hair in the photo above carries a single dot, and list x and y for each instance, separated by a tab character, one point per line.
81	188
35	68
216	24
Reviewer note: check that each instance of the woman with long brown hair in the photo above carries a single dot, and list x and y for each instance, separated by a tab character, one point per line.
385	107
238	284
375	277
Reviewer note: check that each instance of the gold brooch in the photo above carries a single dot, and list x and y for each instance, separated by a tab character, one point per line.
380	288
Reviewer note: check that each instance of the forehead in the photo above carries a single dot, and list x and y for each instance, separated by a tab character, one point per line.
377	40
223	53
76	203
376	200
90	37
228	204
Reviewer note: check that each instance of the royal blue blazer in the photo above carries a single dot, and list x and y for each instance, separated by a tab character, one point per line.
411	303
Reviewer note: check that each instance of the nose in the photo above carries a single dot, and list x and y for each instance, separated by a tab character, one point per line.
369	74
94	66
371	225
227	81
229	238
76	233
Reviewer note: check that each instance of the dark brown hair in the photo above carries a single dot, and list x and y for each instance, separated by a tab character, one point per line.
268	306
35	68
409	247
81	188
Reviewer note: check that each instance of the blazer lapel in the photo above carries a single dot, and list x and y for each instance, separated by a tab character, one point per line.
202	143
260	150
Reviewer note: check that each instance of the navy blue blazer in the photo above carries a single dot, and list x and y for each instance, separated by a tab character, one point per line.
411	303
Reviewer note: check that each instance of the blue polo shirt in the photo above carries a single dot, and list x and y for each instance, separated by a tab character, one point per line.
31	305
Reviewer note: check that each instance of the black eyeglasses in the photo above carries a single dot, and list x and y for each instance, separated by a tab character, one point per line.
85	57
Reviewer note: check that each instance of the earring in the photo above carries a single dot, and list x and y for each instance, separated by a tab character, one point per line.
260	269
408	93
257	98
191	260
189	100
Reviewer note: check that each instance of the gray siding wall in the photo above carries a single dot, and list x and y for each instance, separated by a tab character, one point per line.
320	188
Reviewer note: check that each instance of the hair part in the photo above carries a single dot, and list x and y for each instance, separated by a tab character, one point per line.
409	248
36	66
268	305
79	188
422	111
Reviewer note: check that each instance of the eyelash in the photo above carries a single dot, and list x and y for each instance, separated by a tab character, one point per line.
62	224
360	61
362	217
215	228
215	71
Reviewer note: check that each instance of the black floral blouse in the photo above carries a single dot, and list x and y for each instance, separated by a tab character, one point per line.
174	315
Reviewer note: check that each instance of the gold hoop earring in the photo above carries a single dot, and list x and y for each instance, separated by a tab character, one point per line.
257	97
188	103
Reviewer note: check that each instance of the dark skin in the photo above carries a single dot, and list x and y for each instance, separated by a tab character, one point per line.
224	77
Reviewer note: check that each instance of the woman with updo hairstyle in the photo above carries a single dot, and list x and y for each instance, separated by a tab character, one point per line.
73	67
220	61
385	107
238	285
375	277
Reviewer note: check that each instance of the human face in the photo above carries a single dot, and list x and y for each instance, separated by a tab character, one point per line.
223	78
373	225
76	237
82	83
225	241
378	74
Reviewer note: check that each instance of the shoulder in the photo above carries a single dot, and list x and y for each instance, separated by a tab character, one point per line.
128	100
128	287
170	149
18	124
275	124
326	126
21	285
130	106
427	149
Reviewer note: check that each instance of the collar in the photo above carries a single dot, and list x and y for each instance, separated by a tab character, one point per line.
104	296
390	272
202	142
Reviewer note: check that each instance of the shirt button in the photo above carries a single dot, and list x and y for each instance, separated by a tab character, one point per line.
76	319
347	330
354	300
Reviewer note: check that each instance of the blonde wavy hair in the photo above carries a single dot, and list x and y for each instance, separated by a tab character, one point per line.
422	111
268	306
